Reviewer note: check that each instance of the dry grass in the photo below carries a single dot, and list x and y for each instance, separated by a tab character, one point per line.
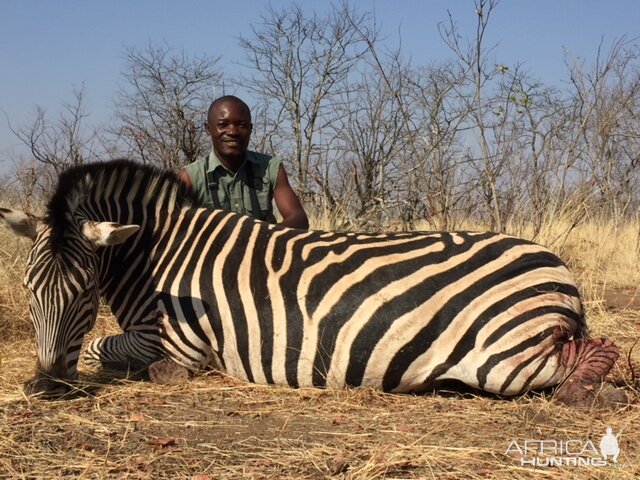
14	314
224	429
606	257
215	427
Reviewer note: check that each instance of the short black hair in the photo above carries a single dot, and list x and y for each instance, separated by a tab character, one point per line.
227	98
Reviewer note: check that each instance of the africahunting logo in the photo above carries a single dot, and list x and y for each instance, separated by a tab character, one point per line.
559	453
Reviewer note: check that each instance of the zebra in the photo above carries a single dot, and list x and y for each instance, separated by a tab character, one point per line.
196	288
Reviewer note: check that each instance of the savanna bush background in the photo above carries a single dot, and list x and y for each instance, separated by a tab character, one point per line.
372	141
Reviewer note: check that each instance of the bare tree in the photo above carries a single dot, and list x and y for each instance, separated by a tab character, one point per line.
63	143
32	183
606	130
472	58
299	63
53	148
429	184
366	133
161	108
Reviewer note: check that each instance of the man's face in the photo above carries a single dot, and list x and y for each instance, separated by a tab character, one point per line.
229	125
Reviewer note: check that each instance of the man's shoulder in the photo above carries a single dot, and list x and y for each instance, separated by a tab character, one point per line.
260	158
264	166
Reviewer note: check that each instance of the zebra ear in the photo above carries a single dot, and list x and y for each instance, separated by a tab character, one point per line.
23	224
103	234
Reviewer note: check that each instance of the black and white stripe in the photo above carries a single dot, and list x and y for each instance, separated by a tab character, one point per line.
398	311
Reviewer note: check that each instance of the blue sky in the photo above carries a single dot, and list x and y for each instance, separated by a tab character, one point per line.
49	47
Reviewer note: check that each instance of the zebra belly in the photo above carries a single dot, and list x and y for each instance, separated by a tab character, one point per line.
502	351
491	369
523	356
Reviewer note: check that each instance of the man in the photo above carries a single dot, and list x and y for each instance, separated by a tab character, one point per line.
234	178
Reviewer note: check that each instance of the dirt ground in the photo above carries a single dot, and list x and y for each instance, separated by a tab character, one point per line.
621	299
215	427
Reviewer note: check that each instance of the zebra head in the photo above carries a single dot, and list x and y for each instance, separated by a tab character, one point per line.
62	279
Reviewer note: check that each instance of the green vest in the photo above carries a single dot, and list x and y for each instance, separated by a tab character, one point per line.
232	189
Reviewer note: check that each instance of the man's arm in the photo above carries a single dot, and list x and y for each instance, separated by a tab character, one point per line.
288	203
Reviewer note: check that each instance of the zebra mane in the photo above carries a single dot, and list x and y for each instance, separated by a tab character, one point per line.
88	181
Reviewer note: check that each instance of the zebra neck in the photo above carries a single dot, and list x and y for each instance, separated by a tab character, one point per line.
127	281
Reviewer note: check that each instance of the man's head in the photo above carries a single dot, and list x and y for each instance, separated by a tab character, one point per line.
229	124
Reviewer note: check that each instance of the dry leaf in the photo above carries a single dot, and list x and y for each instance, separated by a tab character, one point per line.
163	442
85	446
338	464
405	428
136	417
339	420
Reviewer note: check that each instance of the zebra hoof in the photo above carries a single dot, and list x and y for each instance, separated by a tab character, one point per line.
167	372
612	397
575	394
588	361
46	387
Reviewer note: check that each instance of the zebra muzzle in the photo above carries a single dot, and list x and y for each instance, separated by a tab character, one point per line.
47	387
50	383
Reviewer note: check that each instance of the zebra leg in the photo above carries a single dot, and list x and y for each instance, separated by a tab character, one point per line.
134	349
587	363
131	350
